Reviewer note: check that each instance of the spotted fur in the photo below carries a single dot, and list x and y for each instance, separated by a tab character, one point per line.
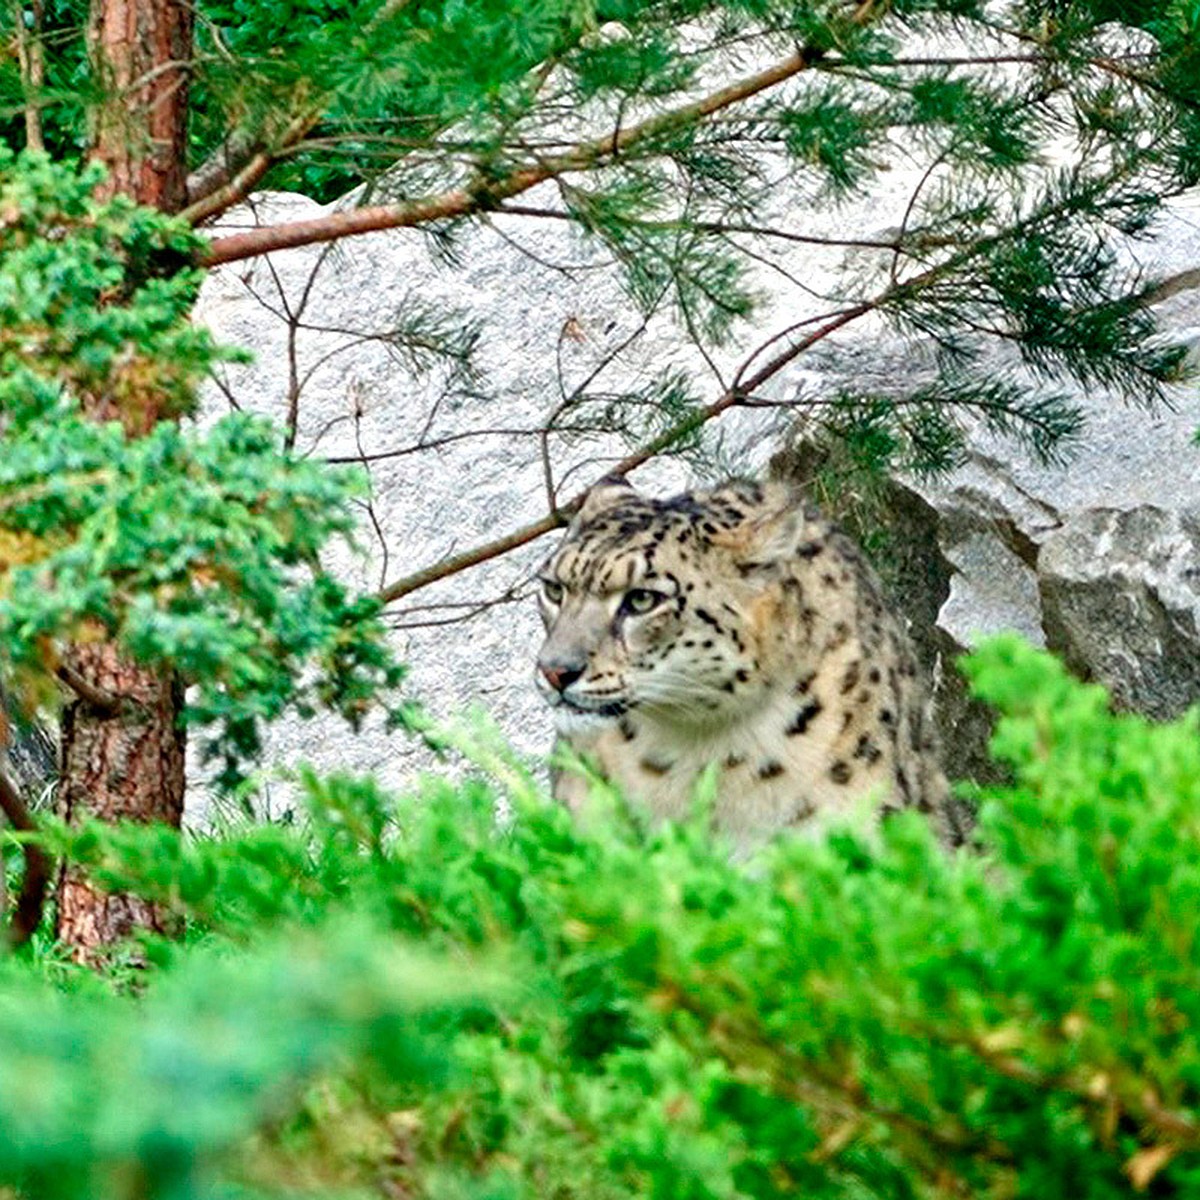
734	627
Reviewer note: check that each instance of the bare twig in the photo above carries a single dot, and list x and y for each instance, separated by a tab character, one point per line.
368	504
458	612
31	59
536	529
437	443
721	227
295	314
910	208
104	702
27	915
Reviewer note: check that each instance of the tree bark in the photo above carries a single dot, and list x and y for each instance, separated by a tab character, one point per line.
141	55
120	762
122	736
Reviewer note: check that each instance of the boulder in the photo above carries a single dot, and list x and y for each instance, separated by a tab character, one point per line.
1120	594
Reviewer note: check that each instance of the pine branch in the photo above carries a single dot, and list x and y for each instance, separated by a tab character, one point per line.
484	195
233	172
731	398
741	393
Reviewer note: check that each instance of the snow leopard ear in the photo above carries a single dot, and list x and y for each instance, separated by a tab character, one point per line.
782	532
610	491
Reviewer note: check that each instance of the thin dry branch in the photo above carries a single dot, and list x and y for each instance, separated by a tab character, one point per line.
221	166
237	168
102	701
731	398
32	62
727	227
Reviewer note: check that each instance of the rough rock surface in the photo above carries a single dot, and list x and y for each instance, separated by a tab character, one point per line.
1120	592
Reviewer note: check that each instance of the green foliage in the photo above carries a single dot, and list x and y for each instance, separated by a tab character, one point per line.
856	1017
383	76
878	434
194	550
94	297
828	132
988	127
66	89
106	1095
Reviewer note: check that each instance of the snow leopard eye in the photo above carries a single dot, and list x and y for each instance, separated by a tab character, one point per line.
640	600
552	590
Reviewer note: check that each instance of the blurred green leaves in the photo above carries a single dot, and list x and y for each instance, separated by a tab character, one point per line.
107	1095
862	1016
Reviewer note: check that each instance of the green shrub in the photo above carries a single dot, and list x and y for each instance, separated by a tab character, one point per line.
856	1017
193	549
120	1095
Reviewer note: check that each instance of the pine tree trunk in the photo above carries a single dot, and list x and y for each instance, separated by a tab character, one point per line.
120	763
140	50
122	740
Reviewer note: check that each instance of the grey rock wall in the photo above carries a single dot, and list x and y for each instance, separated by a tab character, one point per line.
1120	593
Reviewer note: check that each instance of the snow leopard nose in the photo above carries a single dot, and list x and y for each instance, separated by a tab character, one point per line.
560	675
